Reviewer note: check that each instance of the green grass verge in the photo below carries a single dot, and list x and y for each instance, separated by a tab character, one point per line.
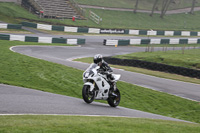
184	58
20	70
111	19
19	31
10	11
143	4
16	69
83	124
129	20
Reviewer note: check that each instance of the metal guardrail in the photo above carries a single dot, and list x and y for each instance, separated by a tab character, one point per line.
80	10
32	6
36	5
94	17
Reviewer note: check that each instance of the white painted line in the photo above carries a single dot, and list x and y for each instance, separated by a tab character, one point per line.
110	116
72	115
11	48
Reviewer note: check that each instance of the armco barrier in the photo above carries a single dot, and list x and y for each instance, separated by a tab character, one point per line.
110	31
4	37
154	66
28	24
41	39
151	41
10	26
61	28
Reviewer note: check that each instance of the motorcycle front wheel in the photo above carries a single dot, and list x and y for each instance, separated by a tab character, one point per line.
114	98
88	96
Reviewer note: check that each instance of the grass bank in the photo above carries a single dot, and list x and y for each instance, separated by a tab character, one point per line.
20	70
18	31
79	124
187	58
129	20
143	4
12	13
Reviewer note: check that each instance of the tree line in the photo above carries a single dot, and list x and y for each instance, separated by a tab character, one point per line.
164	7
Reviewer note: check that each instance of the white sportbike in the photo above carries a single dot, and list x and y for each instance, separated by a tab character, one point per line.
98	87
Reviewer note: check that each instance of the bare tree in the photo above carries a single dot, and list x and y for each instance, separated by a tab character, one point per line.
154	6
193	5
169	2
136	6
165	6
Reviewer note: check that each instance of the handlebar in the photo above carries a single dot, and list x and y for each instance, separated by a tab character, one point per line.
103	72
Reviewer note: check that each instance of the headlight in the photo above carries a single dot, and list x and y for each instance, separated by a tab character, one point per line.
86	75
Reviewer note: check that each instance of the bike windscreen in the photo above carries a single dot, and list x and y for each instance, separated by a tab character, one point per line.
92	66
89	70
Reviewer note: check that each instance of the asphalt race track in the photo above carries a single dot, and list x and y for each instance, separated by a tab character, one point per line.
64	55
17	100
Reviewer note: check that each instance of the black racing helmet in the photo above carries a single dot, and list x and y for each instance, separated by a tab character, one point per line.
98	58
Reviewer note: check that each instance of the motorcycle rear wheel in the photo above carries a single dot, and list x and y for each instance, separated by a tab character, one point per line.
114	101
87	95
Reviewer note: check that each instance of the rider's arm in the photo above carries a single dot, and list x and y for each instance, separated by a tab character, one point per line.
108	67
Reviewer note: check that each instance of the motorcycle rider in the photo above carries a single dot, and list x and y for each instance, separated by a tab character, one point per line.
98	59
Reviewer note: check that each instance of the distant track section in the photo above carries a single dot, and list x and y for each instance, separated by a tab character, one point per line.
109	31
40	39
114	42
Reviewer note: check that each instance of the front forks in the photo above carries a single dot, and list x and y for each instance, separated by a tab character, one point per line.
113	86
